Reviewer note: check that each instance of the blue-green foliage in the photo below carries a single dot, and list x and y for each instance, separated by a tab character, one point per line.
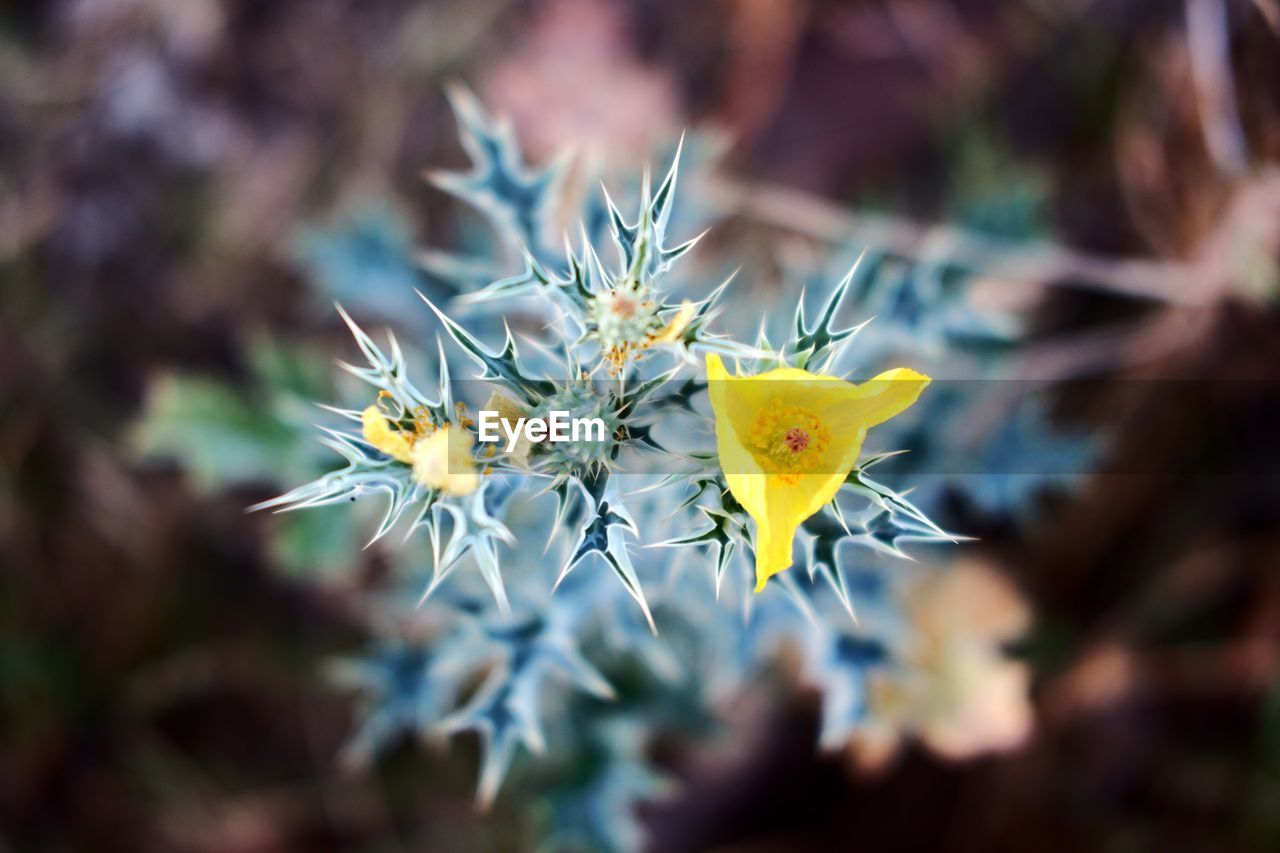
985	437
365	260
647	574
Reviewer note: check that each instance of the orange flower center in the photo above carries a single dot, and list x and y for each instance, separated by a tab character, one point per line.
624	307
788	441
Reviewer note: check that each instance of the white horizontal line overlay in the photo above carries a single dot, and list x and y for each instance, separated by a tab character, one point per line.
558	427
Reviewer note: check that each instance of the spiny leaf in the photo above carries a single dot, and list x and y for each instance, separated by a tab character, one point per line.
499	184
642	250
809	345
387	374
503	367
601	534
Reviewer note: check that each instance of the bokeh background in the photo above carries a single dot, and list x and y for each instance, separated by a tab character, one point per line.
187	185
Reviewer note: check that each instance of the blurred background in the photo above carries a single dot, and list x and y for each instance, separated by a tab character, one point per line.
186	186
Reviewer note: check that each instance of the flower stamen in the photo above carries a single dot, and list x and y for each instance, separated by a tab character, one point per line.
788	441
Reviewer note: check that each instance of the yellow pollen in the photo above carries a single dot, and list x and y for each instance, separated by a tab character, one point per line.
616	358
788	441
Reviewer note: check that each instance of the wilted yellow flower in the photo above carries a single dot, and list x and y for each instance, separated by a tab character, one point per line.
511	411
440	456
443	460
379	432
679	322
960	695
787	440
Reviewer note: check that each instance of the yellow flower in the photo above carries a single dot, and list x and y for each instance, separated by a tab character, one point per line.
440	456
788	438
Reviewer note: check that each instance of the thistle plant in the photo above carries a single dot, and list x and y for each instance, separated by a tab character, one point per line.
753	480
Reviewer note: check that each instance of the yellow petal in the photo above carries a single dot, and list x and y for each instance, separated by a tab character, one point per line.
877	400
743	474
443	461
378	431
747	396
